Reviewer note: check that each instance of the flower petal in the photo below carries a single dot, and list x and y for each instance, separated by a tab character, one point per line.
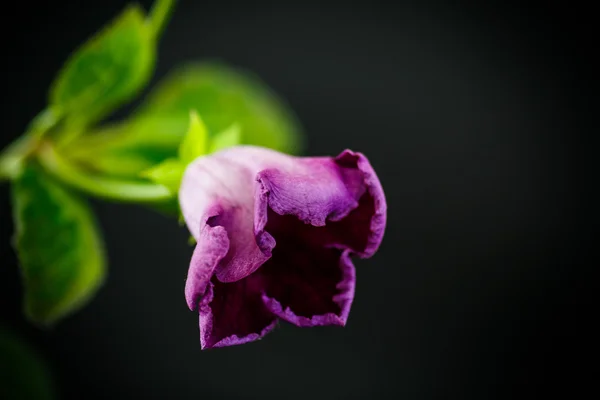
366	224
311	287
342	194
211	247
310	279
221	190
303	218
233	313
318	221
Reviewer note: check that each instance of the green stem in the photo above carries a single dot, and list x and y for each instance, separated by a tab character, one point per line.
43	122
160	14
12	158
108	188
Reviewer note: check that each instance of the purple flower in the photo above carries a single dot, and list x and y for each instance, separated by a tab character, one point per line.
274	235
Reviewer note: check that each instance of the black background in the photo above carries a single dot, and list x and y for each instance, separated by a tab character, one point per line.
470	115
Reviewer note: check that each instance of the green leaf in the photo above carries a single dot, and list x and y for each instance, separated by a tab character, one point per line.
121	164
24	374
74	175
170	172
58	245
108	70
167	173
193	144
160	14
228	138
223	96
124	150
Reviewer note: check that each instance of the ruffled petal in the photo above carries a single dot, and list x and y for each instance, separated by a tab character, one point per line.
220	191
233	313
211	247
318	221
301	219
365	225
313	287
343	195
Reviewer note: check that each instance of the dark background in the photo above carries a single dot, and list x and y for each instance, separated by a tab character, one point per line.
470	115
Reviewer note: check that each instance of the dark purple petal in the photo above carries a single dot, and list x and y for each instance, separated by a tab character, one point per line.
310	278
343	193
365	226
309	286
233	313
276	234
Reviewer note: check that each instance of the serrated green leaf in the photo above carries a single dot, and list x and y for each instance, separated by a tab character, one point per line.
24	374
58	245
167	173
223	96
193	144
106	71
228	138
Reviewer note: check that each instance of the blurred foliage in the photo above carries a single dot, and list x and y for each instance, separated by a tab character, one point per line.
140	159
224	95
194	144
23	373
58	244
221	94
107	70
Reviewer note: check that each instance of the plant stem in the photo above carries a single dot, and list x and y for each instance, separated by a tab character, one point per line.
13	156
108	188
43	122
160	14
